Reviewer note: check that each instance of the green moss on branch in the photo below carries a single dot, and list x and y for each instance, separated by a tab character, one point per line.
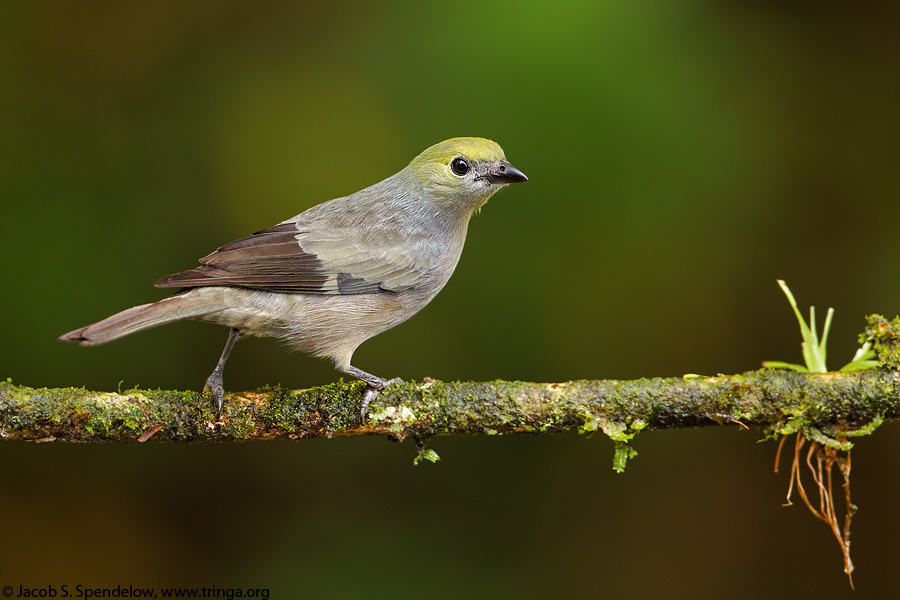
825	404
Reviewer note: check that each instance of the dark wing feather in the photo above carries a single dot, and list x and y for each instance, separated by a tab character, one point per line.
287	259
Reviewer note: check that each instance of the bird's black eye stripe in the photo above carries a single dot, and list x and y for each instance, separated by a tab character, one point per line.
459	165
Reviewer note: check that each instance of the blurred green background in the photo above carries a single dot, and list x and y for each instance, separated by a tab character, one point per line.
682	156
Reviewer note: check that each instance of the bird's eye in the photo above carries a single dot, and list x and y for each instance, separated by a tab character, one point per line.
459	165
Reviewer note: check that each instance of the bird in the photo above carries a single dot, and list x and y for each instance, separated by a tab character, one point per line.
338	274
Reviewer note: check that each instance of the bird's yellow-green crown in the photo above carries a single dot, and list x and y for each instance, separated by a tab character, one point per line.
472	148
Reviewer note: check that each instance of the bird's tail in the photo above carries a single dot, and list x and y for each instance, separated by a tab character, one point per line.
174	308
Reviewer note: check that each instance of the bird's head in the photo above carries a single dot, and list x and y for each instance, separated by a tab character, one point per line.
465	171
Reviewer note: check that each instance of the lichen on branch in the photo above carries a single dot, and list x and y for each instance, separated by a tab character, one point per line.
780	401
824	406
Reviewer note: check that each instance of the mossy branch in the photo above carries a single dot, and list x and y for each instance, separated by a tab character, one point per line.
823	405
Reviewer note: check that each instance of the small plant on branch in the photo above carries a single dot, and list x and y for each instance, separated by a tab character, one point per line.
828	450
814	350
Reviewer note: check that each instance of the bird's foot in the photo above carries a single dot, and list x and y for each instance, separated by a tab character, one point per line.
214	385
372	388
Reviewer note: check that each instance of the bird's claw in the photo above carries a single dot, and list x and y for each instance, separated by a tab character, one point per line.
215	386
372	389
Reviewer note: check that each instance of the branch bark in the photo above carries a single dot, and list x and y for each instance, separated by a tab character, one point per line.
827	406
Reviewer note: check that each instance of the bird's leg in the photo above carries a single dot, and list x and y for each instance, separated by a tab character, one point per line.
214	381
374	384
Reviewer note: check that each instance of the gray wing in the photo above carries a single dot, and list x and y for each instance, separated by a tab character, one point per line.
294	257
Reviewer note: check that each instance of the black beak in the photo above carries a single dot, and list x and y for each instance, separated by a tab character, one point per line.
506	173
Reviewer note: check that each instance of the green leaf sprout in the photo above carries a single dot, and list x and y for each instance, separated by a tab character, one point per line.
814	349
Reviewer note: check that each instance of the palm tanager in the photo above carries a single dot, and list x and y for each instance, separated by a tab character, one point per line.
339	273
